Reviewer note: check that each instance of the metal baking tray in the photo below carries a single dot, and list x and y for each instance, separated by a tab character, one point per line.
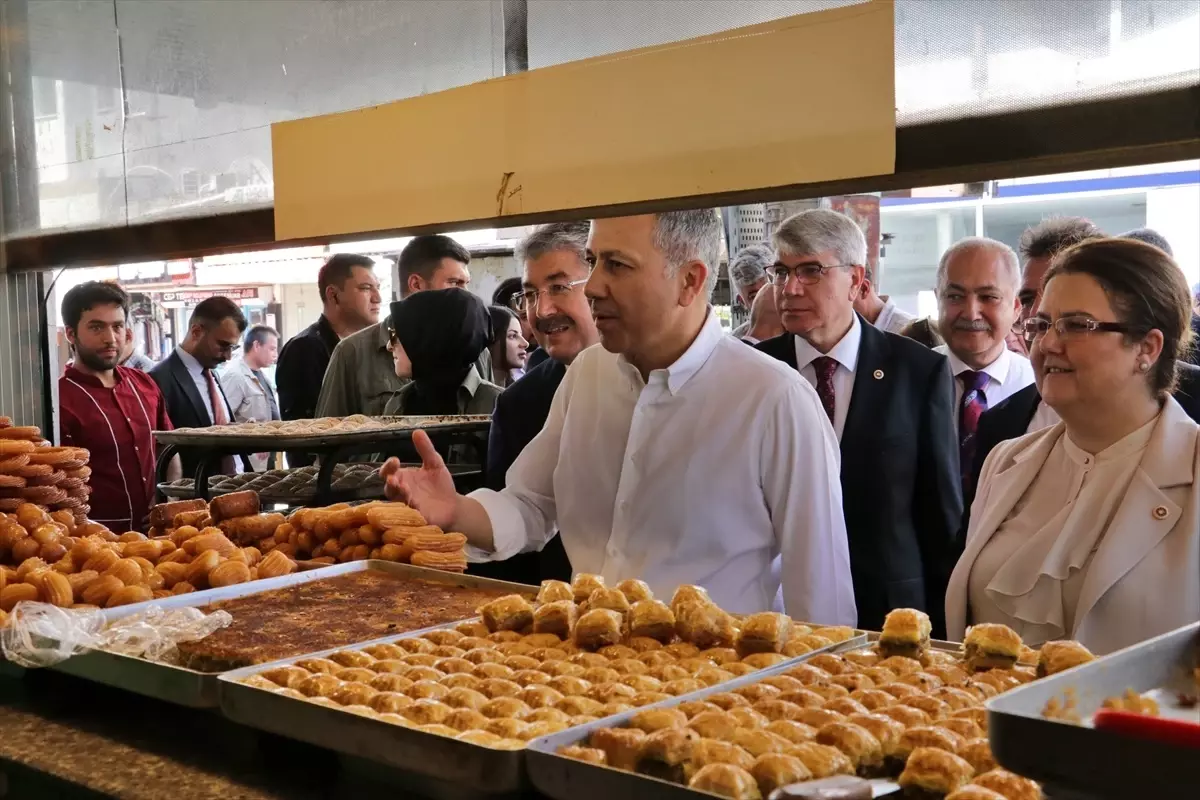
195	689
269	497
229	439
1101	764
568	779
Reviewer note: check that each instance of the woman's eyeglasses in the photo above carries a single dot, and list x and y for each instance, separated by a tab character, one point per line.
1037	327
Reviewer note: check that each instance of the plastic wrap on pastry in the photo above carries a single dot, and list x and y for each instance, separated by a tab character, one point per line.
584	584
552	591
635	591
598	628
650	619
612	599
689	593
766	632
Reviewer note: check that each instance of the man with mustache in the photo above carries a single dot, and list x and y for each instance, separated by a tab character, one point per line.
655	461
109	409
553	304
977	284
888	399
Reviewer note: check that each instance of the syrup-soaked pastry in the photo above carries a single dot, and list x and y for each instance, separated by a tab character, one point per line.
936	709
681	649
772	770
509	613
601	675
584	584
612	599
570	684
1028	657
689	593
1058	656
927	736
538	696
454	666
693	707
461	679
932	773
794	732
716	751
830	691
319	665
835	633
507	728
426	712
922	680
421	659
682	686
573	705
470	643
466	719
991	645
1021	675
505	707
794	647
511	638
617	652
885	729
665	753
543	640
462	697
949	675
588	660
352	658
390	682
598	628
669	672
656	719
852	681
765	632
623	746
628	666
881	676
822	760
390	702
907	716
819	717
500	687
644	645
519	662
705	625
545	653
354	694
845	706
556	618
714	725
757	691
320	685
287	677
563	667
775	709
747	717
615	708
427	690
548	715
473	628
941	658
382	652
448	651
860	746
642	683
833	664
997	679
554	591
963	727
811	641
807	674
905	633
954	697
901	691
416	645
977	714
727	700
784	683
612	692
863	658
726	780
978	753
592	755
806	698
1009	784
741	668
480	738
491	669
536	730
634	590
759	741
901	665
444	637
873	699
973	792
983	691
650	619
760	660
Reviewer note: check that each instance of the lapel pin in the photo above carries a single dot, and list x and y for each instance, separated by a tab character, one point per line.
1160	512
878	374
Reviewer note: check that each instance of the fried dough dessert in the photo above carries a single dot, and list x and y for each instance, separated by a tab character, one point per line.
509	613
931	774
553	591
766	632
557	617
705	625
598	628
905	633
1058	656
991	646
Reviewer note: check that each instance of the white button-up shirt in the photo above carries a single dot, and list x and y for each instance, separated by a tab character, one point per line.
893	319
197	372
1007	375
845	353
721	470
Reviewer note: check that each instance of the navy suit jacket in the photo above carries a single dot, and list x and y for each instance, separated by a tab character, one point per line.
901	488
521	411
185	407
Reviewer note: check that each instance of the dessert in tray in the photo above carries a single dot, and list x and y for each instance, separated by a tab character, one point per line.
295	484
327	613
328	425
897	709
529	669
32	472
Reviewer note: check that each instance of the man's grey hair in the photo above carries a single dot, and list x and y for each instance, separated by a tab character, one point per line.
1054	234
570	237
684	236
973	244
819	230
749	266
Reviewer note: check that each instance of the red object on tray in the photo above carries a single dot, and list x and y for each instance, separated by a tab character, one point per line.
1158	729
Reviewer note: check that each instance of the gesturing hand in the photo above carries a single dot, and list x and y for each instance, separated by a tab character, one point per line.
428	488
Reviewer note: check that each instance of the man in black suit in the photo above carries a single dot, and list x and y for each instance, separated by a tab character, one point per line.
890	401
553	303
190	387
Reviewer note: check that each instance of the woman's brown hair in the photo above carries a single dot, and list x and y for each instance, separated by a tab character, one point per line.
1146	288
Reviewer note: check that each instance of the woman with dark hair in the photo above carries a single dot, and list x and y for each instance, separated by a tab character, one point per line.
509	346
1090	529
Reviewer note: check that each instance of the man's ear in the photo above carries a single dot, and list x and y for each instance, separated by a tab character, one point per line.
695	275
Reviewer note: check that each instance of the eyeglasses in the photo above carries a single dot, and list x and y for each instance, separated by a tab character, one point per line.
1037	327
807	274
556	291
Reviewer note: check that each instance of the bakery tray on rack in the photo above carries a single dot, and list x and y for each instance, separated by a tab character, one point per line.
261	436
355	481
196	689
1079	760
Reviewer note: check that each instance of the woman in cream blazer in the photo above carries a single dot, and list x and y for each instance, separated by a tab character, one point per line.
1090	529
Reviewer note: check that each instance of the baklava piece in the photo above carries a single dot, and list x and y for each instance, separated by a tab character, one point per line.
767	632
973	792
860	746
822	760
772	770
978	753
758	742
650	619
554	591
794	732
714	725
689	593
931	774
557	617
509	613
991	646
598	628
1009	784
887	732
705	625
905	633
726	780
1056	657
657	719
666	752
713	751
592	755
927	737
584	584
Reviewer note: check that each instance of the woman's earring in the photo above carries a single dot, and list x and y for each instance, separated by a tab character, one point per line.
1143	366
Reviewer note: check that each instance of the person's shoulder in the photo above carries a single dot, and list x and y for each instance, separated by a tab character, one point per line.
757	368
777	346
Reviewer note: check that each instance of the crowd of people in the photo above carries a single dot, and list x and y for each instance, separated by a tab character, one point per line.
1029	457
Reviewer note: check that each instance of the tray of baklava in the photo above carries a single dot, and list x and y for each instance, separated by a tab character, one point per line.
360	481
461	703
299	434
1126	725
899	715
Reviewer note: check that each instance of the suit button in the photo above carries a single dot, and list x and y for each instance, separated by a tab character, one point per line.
1160	512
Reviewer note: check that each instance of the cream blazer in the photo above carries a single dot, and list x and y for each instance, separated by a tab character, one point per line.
1144	578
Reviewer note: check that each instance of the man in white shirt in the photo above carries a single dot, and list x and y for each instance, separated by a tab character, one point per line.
650	466
247	387
877	309
889	400
748	276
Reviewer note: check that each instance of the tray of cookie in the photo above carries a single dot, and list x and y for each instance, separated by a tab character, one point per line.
303	612
315	433
461	704
1120	726
359	481
891	715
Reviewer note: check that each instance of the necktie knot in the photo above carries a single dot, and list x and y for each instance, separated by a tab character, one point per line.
825	367
974	381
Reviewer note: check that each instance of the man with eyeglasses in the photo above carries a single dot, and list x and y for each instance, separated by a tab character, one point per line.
552	302
888	400
188	378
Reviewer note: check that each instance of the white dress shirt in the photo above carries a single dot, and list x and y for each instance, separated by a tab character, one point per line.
845	352
892	319
679	480
1007	375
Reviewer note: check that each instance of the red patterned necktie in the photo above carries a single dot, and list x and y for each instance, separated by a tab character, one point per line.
228	464
825	367
974	403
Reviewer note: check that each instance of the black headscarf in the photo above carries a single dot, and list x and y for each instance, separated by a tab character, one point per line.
442	331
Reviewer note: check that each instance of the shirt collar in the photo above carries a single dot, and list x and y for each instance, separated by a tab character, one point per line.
997	370
845	352
189	361
472	382
326	332
382	337
687	365
74	374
